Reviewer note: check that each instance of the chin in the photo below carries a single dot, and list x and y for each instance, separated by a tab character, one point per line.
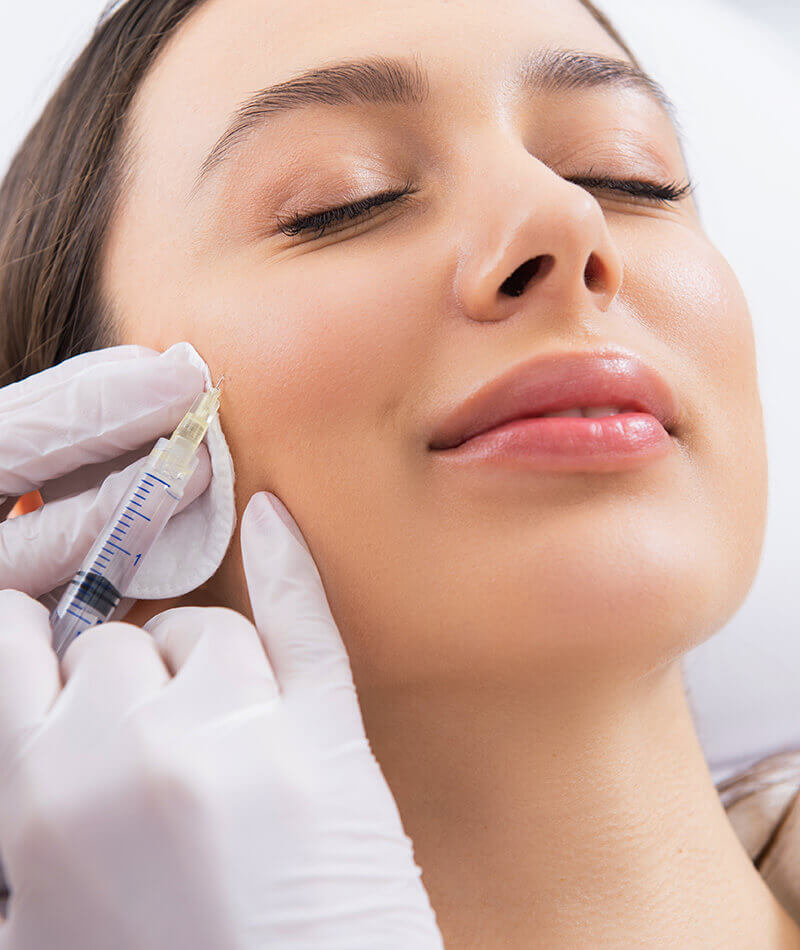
621	605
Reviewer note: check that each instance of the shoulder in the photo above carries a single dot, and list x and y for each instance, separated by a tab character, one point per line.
763	805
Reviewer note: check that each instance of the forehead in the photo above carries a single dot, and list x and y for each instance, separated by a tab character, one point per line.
228	49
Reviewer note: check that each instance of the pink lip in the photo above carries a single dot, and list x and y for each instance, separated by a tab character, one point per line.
497	418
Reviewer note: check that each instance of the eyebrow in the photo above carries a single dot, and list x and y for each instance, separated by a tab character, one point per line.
379	79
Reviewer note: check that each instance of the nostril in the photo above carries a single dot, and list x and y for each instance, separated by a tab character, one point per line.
593	272
515	284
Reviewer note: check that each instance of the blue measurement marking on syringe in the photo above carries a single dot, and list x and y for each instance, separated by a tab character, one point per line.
151	475
79	616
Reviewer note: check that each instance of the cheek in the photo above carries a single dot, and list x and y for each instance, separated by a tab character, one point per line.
318	398
319	379
688	295
316	367
701	312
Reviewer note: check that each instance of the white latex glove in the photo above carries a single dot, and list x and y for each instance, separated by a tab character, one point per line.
207	787
72	431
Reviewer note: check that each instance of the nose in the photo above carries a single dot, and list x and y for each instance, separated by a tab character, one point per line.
533	235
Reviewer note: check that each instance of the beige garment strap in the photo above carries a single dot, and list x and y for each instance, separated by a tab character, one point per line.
763	805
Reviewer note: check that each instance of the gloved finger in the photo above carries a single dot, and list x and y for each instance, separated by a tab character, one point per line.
107	669
29	675
45	548
292	615
89	476
91	407
219	650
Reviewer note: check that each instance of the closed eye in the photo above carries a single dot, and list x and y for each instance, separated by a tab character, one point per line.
661	193
321	221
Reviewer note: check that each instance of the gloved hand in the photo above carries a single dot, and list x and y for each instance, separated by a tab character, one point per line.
94	410
202	782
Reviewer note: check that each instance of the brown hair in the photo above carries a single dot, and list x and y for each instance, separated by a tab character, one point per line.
59	194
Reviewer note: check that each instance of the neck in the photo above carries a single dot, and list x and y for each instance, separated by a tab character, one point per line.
569	817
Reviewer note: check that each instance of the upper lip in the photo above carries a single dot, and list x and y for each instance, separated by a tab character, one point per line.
554	382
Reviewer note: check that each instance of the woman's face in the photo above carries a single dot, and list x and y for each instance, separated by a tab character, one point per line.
342	353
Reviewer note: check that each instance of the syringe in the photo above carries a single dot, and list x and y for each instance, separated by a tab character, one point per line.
154	492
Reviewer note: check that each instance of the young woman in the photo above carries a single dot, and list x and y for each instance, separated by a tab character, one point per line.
366	217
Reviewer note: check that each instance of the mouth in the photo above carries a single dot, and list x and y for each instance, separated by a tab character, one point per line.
600	410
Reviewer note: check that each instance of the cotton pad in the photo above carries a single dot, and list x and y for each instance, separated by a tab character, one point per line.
194	541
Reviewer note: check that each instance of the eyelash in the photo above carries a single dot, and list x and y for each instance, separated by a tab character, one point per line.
320	221
661	193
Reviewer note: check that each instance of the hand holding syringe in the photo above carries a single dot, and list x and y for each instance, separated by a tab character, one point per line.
79	433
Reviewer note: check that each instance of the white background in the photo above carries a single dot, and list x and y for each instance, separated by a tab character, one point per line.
731	67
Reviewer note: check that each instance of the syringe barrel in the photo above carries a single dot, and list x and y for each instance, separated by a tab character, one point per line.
109	567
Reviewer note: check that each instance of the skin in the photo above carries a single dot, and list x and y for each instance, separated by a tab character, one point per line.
514	635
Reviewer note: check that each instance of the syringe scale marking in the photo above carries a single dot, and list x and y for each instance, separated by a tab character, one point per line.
79	616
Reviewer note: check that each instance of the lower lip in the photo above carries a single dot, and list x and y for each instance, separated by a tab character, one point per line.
570	443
